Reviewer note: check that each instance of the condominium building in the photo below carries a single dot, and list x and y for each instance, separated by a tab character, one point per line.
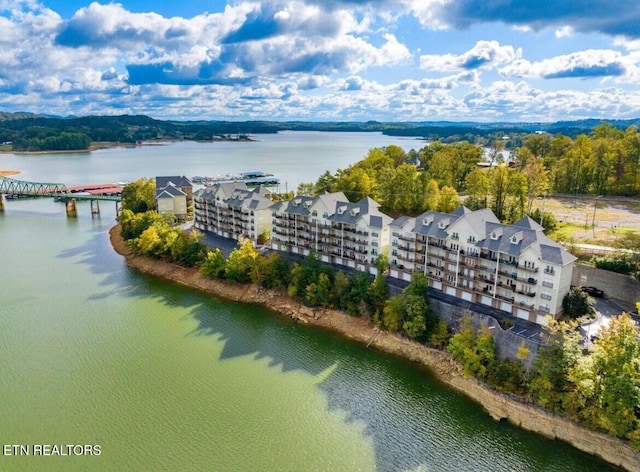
472	256
174	195
466	254
340	232
232	210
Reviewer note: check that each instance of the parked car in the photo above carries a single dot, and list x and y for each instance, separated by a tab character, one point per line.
593	291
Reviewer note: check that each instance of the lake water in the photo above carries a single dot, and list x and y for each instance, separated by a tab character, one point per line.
165	378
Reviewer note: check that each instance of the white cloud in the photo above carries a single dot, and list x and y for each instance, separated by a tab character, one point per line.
582	64
485	54
564	32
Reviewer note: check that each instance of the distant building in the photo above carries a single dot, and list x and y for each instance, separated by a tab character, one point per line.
174	194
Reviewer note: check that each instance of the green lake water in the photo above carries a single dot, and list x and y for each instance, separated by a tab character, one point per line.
165	378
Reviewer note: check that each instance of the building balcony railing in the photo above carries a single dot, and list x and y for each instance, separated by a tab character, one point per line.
406	237
487	256
529	269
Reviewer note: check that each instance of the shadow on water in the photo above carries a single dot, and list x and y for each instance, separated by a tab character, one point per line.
414	422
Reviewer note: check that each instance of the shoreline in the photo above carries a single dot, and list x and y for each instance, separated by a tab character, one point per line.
114	145
442	365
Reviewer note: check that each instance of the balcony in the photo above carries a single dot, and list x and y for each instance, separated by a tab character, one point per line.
487	256
405	237
549	271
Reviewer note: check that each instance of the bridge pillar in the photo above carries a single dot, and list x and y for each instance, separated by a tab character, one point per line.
72	210
96	210
1	202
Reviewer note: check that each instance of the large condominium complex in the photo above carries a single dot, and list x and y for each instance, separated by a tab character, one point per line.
231	210
467	254
472	256
343	233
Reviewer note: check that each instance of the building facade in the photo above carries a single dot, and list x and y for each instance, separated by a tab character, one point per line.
339	232
466	254
472	256
174	194
232	210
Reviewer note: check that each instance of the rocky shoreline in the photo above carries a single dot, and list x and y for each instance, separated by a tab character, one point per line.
441	364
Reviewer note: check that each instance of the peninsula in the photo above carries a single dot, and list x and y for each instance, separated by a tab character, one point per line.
440	363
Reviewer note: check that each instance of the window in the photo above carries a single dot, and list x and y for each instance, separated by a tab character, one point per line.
549	270
455	236
545	296
547	283
451	278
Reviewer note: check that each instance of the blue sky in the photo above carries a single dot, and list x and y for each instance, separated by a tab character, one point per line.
321	60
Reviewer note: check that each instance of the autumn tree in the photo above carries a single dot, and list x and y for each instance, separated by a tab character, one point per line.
213	264
139	196
240	262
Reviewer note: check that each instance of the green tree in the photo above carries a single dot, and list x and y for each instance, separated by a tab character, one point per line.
550	374
500	183
478	187
240	262
341	289
214	264
318	293
576	304
608	380
474	349
449	200
431	195
139	196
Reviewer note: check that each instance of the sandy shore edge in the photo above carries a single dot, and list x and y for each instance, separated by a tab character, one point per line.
441	364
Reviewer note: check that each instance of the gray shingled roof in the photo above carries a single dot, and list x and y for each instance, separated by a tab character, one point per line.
528	223
435	220
401	221
177	180
352	213
169	190
548	250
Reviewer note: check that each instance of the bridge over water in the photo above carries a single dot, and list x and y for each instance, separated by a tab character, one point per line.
12	188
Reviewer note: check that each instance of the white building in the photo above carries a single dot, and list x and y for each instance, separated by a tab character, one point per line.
472	256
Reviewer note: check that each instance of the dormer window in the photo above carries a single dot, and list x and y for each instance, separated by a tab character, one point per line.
516	238
427	220
341	210
355	211
494	235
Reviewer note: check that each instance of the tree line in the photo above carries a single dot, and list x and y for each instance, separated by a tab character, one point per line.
442	176
56	142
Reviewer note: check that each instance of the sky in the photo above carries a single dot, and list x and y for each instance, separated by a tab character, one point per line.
323	60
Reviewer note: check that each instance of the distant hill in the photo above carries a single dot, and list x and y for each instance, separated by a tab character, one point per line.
134	128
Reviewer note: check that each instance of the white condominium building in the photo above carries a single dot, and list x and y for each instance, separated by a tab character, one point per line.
472	256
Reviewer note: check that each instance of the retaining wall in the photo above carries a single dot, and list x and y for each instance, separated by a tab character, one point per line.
622	289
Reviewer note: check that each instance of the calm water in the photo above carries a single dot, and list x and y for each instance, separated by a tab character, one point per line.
164	378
